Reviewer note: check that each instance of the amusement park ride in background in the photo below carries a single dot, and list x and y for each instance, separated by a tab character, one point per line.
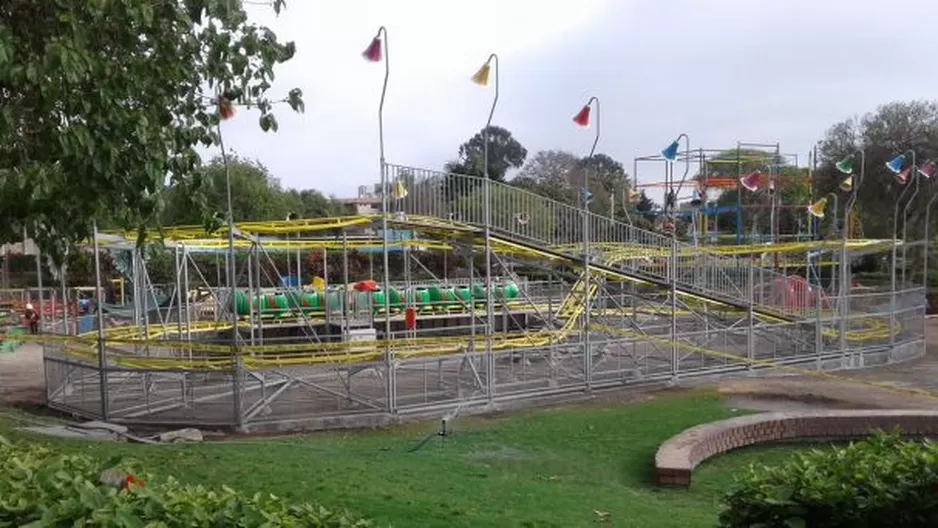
755	172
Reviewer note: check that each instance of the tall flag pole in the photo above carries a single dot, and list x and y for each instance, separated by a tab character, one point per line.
927	170
377	51
481	78
846	166
670	154
582	119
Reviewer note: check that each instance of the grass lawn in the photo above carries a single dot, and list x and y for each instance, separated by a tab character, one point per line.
540	468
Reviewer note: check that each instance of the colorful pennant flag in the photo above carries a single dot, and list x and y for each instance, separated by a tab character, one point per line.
373	52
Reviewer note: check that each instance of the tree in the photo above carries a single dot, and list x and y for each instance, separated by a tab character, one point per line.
102	101
548	173
644	204
883	134
256	195
559	175
308	203
645	211
505	153
607	182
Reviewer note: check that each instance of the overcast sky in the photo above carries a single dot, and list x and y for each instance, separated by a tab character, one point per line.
721	71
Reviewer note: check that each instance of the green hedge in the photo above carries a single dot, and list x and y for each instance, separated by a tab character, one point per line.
39	487
879	482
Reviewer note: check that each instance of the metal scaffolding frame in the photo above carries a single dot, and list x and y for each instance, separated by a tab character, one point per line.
661	311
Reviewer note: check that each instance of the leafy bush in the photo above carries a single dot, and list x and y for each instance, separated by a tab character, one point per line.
882	481
39	487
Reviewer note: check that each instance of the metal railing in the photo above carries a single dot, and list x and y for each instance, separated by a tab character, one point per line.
525	216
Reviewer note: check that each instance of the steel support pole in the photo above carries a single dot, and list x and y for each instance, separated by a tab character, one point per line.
845	298
237	374
844	260
928	207
216	299
905	220
288	255
185	288
843	293
487	219
325	292
144	298
675	358
42	311
587	257
819	326
102	351
893	301
64	288
672	267
135	288
739	195
257	285
299	265
750	314
345	288
177	267
251	257
391	382
472	309
834	268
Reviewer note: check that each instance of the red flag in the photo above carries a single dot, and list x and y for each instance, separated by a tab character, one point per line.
225	108
583	117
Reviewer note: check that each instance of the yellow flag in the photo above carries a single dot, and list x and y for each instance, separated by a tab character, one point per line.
400	192
481	77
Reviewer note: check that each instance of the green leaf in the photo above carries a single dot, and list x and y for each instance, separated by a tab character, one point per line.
295	100
268	123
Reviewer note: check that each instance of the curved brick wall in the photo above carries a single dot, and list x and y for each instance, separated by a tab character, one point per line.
679	455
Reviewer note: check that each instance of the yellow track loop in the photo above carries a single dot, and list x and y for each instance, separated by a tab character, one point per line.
84	348
196	236
288	245
741	250
343	352
219	356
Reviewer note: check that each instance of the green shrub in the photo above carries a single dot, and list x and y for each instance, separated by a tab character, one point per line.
39	487
882	481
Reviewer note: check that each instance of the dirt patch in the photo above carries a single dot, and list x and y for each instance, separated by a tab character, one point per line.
853	392
21	377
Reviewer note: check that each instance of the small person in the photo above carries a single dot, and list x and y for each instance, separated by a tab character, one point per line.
32	318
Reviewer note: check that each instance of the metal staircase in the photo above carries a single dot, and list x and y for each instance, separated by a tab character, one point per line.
526	217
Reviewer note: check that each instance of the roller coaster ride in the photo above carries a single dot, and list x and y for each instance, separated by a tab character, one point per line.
329	354
564	301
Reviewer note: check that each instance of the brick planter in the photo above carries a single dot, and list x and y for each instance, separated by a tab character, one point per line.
679	455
